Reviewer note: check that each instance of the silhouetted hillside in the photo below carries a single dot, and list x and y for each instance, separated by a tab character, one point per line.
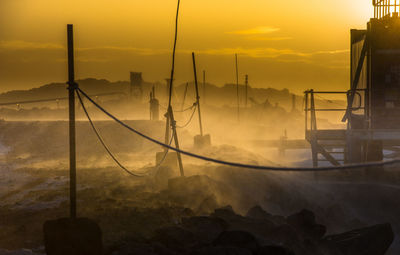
56	90
213	95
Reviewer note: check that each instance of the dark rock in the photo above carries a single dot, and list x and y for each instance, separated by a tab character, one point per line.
374	240
225	213
207	206
192	191
285	234
221	250
162	250
135	249
261	228
72	237
258	213
273	250
206	229
239	239
175	238
305	223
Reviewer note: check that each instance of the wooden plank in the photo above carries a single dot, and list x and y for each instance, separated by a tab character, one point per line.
328	156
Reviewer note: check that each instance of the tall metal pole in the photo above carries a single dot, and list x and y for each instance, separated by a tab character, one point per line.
197	93
72	139
237	88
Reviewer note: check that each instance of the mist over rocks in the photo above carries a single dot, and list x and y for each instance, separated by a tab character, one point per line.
162	213
138	217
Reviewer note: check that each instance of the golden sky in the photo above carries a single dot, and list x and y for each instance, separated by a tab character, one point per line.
293	44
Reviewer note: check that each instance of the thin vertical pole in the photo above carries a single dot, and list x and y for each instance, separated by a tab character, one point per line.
247	87
204	86
184	95
151	106
72	139
237	88
197	93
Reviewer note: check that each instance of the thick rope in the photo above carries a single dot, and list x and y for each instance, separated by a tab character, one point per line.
240	165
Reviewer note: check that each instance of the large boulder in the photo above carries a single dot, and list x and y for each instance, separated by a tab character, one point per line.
273	250
239	239
206	229
135	249
175	238
374	240
257	212
222	250
304	222
68	236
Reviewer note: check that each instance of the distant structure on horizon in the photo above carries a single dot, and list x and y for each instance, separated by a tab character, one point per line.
136	89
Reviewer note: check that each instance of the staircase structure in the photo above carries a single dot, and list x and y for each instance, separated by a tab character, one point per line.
372	115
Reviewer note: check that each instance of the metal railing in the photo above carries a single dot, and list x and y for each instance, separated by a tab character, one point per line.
311	110
386	8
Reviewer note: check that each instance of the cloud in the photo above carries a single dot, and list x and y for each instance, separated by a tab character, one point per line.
140	51
23	45
256	31
24	52
261	38
268	52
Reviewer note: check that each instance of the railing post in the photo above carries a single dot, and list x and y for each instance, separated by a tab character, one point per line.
306	111
313	130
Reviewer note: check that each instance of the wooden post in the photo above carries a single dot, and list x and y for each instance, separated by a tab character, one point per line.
197	93
72	139
237	88
175	134
247	87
